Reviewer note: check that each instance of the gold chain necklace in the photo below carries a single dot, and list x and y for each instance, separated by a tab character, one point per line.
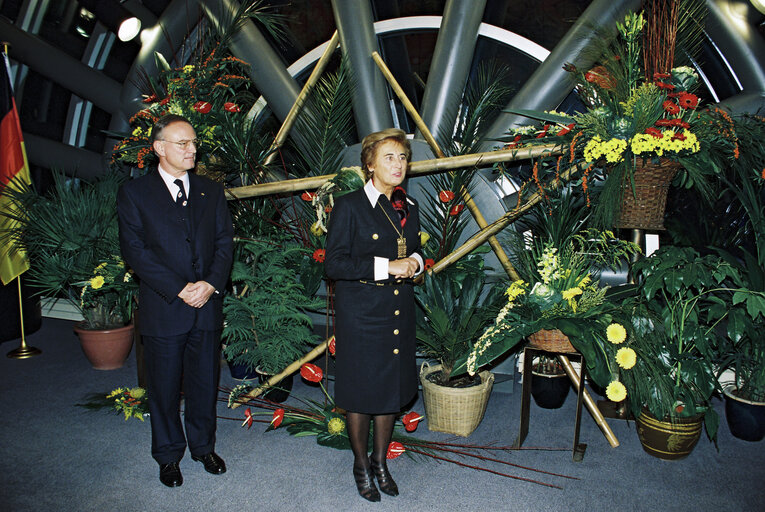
400	241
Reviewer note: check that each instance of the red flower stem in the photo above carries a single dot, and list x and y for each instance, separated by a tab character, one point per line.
505	448
491	459
485	469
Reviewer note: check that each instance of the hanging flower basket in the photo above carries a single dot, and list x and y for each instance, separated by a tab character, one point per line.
551	340
643	207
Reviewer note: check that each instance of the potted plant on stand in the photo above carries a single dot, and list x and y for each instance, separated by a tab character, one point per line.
71	238
450	317
265	322
685	299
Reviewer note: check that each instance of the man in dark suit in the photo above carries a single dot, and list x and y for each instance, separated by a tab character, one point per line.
176	234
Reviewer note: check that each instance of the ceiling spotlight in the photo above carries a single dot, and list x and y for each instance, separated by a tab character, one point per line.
129	29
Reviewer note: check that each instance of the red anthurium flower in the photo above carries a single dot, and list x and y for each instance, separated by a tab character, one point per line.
278	417
319	254
307	196
231	107
411	420
456	209
394	450
664	85
331	346
429	263
445	196
567	129
654	132
311	372
247	418
202	107
688	100
671	107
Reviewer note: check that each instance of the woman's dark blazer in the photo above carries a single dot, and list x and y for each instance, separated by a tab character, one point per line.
375	323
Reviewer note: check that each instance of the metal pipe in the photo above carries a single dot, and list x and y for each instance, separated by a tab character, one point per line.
450	65
61	68
371	109
72	161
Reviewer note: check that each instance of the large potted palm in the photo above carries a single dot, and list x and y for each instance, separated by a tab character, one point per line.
453	310
70	234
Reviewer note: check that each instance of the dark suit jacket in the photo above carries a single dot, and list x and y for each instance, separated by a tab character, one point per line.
375	370
157	246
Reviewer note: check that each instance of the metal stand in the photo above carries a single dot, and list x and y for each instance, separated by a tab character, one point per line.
528	356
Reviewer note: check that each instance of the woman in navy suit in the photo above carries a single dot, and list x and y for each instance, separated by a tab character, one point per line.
372	254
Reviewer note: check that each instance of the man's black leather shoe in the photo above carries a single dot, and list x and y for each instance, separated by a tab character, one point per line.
212	462
170	474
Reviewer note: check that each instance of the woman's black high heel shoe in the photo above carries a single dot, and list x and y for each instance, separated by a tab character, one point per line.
365	484
387	485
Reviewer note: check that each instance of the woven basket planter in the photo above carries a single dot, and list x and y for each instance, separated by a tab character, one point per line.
644	208
456	411
551	341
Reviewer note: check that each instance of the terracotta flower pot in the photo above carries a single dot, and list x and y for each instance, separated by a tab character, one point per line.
106	349
668	440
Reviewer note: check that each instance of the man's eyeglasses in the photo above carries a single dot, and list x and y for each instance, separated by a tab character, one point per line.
183	144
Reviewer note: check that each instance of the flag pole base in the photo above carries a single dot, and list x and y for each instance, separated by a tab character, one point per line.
24	352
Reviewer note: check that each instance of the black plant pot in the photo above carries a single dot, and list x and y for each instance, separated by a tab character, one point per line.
241	371
549	391
746	419
279	392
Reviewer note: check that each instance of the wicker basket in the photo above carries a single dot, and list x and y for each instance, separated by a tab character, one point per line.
644	209
455	411
551	341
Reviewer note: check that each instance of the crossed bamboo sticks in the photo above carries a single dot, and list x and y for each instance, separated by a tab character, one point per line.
440	164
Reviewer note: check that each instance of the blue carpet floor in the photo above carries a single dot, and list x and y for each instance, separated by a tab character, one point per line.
55	456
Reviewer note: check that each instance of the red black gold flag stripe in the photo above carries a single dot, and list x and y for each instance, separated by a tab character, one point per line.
13	166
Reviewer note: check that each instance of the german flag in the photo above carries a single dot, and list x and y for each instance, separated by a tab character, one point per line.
13	166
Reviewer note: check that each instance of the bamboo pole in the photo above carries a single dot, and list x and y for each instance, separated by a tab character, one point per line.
472	207
419	168
310	356
281	135
588	401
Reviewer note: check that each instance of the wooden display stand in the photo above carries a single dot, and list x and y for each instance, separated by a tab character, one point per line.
528	356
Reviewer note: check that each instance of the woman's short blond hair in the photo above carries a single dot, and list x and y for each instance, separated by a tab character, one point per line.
372	141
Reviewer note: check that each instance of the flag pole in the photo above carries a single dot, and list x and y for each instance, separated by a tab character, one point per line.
24	351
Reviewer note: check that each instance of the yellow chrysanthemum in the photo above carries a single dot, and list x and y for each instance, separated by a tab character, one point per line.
616	392
424	237
335	426
616	333
626	357
97	282
137	393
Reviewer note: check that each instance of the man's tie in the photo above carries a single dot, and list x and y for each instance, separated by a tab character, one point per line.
180	199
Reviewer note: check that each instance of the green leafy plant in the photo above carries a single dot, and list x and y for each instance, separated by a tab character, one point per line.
452	313
70	235
265	317
686	298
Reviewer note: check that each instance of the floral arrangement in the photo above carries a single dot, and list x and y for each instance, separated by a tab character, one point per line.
632	118
106	298
212	94
131	402
563	293
327	423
